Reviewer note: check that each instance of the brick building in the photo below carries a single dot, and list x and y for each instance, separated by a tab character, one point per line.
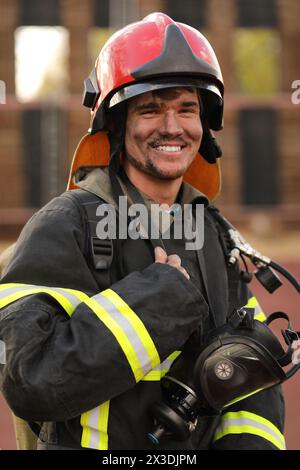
257	43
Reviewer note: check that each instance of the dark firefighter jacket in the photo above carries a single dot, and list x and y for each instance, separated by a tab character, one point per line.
86	359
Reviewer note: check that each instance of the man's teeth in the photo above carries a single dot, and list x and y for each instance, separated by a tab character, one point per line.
169	148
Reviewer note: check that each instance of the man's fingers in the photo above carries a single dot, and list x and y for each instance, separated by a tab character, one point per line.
184	272
160	255
175	261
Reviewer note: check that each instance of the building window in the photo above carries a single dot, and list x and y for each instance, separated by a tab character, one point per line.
108	15
44	142
41	55
259	157
39	13
257	13
191	12
101	13
115	13
96	39
256	56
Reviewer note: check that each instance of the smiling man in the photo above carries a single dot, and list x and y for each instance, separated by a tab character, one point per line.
91	325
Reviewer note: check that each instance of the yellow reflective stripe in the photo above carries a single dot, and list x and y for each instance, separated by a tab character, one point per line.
11	284
252	302
86	431
136	323
260	317
94	427
174	355
155	375
240	422
258	312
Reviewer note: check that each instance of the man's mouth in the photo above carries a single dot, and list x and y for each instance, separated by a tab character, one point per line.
169	148
175	148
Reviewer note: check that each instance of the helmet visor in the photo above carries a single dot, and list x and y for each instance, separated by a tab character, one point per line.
143	87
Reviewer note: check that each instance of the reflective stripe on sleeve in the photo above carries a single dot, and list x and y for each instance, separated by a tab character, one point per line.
160	371
117	316
94	427
128	330
69	299
258	312
240	422
95	422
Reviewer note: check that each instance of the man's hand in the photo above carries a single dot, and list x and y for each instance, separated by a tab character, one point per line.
173	260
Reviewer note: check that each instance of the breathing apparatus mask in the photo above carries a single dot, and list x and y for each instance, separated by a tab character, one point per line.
238	359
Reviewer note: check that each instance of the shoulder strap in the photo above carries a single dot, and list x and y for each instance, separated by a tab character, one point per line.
98	252
232	273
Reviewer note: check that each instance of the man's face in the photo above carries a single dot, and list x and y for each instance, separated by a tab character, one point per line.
163	132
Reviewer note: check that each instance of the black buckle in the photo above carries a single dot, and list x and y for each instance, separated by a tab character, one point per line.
242	317
102	252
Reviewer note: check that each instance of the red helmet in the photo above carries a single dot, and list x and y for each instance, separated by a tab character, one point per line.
154	53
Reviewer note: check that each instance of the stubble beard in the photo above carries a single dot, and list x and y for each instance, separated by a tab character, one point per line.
151	169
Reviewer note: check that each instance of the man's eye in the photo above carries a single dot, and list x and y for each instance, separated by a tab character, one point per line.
150	111
188	110
149	114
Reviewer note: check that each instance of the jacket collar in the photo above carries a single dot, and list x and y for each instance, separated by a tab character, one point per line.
98	182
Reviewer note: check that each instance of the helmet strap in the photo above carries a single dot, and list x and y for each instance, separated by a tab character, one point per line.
209	148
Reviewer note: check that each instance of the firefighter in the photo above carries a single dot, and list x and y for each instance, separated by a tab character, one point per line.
91	323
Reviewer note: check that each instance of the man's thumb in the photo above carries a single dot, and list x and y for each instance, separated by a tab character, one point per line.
160	255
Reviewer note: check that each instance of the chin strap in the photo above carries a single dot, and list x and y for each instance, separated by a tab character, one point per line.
209	148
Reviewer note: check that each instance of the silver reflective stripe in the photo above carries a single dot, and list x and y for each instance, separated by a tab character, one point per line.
125	325
257	309
12	290
258	313
166	364
93	424
73	299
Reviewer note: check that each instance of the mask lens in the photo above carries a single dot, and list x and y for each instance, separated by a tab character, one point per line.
232	372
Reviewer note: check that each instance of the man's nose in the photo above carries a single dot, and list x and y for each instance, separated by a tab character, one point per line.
171	124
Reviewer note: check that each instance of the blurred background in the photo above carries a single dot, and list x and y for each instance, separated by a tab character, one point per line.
48	48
